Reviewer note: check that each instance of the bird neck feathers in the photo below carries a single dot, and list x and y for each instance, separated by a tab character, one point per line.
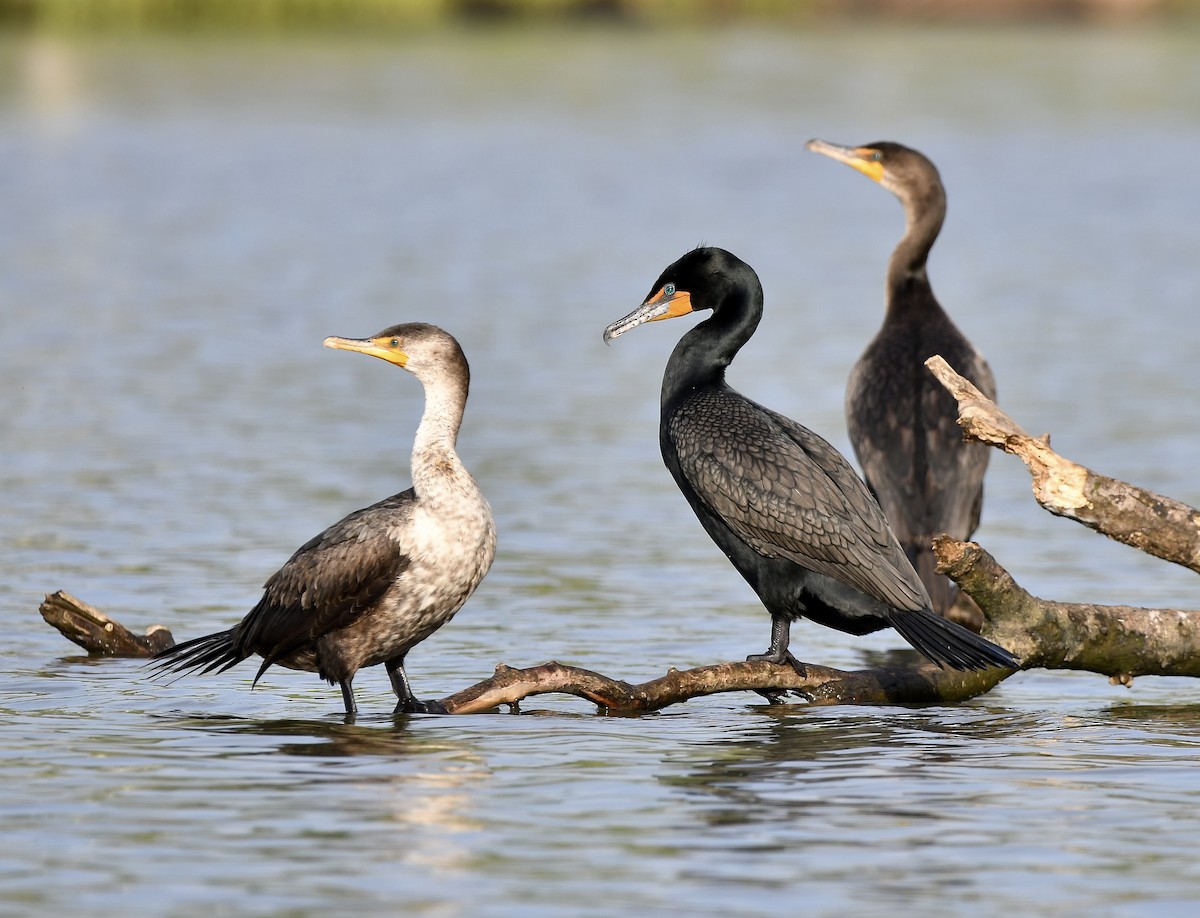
433	454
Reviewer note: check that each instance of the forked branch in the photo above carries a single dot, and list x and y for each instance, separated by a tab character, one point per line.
1149	522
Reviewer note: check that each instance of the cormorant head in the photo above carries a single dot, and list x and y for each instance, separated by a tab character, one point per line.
701	279
415	346
900	169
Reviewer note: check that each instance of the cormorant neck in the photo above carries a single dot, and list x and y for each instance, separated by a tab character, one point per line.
433	454
701	356
924	213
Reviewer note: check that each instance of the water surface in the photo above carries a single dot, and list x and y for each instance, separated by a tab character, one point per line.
185	220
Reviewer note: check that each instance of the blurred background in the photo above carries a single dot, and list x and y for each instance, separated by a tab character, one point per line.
196	194
353	15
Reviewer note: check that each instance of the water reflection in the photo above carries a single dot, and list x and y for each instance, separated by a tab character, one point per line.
323	738
1169	722
424	784
794	764
53	84
896	804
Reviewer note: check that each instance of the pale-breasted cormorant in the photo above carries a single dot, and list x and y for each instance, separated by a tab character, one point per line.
902	423
374	585
785	506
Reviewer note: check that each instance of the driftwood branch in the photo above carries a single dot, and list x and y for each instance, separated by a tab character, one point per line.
102	635
1149	522
1117	641
99	634
918	684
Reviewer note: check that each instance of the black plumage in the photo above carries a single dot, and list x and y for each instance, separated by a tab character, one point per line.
901	421
373	585
783	505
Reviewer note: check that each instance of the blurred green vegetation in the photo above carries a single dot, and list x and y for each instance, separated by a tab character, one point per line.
369	14
372	15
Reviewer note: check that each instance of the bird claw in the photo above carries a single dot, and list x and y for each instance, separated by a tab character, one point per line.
781	658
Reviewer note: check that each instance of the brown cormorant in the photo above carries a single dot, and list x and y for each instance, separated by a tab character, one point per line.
374	585
785	506
902	423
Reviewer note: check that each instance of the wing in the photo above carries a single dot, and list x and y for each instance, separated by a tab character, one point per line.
787	493
330	582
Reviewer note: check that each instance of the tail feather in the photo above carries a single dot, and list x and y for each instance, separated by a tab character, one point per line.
949	644
204	654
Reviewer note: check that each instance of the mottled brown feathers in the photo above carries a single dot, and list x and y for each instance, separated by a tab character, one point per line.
329	583
382	579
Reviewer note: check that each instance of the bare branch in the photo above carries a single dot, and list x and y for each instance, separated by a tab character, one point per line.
1147	521
923	683
1117	641
98	634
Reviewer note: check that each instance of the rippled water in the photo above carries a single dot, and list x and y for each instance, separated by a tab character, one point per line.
185	221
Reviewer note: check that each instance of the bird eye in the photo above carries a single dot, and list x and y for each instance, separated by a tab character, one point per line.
669	290
877	156
395	342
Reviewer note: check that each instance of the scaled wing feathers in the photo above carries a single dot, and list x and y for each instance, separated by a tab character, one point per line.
788	493
327	584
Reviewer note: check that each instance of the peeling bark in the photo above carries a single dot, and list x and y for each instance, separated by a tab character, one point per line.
1149	522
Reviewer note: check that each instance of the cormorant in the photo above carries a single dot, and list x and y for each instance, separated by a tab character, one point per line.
902	423
785	506
374	585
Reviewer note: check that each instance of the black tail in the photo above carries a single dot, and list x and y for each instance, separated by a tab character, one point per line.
949	644
206	654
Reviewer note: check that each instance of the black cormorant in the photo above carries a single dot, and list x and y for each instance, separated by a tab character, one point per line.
785	506
902	423
371	587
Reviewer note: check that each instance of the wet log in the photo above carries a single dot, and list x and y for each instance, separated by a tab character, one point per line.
99	634
1150	522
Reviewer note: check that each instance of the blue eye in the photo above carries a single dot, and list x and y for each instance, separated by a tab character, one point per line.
395	342
877	156
669	290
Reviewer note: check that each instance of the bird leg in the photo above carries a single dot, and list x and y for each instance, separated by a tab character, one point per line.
408	703
781	636
348	698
